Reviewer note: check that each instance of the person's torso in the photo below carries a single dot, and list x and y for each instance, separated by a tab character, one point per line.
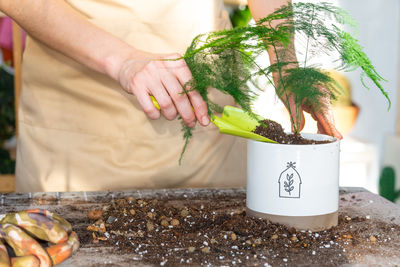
77	125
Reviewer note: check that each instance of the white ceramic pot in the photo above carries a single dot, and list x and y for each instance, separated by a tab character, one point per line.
295	185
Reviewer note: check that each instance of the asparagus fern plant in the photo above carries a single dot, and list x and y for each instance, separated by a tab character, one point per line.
226	60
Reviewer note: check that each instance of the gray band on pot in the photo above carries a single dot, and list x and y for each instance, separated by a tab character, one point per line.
313	223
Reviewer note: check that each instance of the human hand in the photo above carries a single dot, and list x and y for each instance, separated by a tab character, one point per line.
163	77
19	230
322	115
320	110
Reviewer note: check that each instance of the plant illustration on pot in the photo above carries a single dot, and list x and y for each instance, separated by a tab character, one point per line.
290	182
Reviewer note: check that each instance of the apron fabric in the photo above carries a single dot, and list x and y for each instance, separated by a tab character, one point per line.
79	131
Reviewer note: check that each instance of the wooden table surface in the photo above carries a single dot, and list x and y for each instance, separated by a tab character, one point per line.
75	205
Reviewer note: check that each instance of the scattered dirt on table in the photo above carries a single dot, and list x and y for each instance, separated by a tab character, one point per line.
274	131
191	231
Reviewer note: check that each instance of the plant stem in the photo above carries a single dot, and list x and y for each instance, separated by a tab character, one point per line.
296	127
308	38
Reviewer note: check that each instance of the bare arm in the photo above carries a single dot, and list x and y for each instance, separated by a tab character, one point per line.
56	24
60	27
262	8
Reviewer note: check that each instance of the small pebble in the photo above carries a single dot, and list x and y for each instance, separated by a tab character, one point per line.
184	212
121	202
273	237
372	238
95	214
140	233
257	241
294	239
205	250
102	228
93	228
164	223
150	226
191	249
174	222
233	236
111	219
150	215
132	211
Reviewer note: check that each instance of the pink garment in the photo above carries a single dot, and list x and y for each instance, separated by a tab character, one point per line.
6	34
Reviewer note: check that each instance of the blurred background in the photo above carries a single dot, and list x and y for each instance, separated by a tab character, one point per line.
370	150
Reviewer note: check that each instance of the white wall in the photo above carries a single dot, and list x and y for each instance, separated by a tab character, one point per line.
379	27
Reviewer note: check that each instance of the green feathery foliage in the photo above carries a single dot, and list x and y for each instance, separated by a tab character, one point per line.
226	60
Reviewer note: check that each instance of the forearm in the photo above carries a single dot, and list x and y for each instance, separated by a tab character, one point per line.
60	27
262	8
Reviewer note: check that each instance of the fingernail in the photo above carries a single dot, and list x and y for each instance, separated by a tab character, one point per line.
205	120
192	124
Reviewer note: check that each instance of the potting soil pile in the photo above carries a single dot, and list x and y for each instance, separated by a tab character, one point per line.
274	131
187	230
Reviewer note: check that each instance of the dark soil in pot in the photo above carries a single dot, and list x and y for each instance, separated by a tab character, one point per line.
274	131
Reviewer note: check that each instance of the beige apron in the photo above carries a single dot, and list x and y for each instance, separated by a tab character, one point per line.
78	130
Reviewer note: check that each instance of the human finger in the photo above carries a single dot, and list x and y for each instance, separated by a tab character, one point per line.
157	82
143	97
23	244
326	125
322	113
184	75
180	99
199	107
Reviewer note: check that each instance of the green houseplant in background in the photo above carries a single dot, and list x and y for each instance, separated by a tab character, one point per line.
227	60
241	16
387	184
7	120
